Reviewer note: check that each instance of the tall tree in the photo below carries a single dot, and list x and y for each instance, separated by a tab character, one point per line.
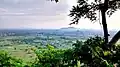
90	10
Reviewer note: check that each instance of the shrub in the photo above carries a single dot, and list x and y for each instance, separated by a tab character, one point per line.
6	60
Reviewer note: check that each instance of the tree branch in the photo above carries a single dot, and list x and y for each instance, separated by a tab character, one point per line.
114	40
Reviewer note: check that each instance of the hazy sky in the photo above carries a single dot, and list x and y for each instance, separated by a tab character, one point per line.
44	14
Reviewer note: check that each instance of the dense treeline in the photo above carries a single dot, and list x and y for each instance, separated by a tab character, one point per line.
90	53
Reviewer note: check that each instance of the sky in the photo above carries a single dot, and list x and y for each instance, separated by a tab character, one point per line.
44	14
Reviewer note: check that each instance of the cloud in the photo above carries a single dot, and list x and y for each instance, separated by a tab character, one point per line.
43	14
33	21
28	13
3	10
33	7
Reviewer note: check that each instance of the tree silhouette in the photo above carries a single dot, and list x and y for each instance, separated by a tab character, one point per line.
90	10
55	0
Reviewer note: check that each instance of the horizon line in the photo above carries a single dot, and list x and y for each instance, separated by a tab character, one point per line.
50	28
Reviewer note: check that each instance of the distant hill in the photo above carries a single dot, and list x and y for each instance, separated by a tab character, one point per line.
69	29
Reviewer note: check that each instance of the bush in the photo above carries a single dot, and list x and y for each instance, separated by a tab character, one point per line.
49	57
92	53
6	60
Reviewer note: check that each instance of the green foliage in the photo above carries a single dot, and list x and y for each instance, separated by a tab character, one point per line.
50	47
90	53
89	9
6	60
49	57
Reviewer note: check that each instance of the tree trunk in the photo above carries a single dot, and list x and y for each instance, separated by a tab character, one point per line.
105	29
115	38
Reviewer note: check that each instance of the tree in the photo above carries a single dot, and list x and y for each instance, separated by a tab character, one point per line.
87	9
7	61
90	53
55	0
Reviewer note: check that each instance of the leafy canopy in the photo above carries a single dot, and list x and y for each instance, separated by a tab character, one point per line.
87	9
